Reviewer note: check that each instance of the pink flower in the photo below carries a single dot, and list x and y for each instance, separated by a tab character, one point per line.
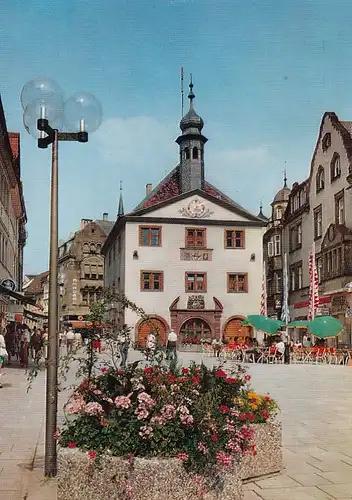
57	434
104	369
92	455
247	378
94	409
183	457
183	410
185	371
76	404
146	400
146	432
122	402
71	444
168	412
186	419
203	449
157	420
224	459
141	413
221	374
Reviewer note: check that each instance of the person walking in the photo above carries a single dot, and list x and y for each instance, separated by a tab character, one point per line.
3	354
171	346
70	337
77	339
124	345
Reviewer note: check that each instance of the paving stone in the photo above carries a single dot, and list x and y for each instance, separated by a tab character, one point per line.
302	493
310	479
338	490
280	481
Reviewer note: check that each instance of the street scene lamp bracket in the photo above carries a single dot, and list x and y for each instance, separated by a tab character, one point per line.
44	142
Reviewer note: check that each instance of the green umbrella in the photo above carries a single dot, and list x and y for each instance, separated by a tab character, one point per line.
299	324
325	327
262	323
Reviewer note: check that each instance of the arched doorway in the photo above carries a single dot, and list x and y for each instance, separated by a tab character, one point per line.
234	329
195	328
144	328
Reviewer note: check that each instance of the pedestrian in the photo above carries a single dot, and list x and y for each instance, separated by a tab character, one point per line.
10	340
3	354
150	345
287	349
24	346
216	344
70	337
77	339
171	346
124	345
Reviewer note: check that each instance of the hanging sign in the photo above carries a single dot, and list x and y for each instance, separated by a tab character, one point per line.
9	284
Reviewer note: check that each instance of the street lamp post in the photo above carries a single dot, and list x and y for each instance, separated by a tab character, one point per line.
45	111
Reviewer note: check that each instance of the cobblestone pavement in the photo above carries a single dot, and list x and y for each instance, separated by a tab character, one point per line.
316	404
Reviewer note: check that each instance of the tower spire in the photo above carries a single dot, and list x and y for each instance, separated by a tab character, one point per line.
285	177
191	95
120	211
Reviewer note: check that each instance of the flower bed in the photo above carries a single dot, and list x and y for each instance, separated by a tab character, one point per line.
194	418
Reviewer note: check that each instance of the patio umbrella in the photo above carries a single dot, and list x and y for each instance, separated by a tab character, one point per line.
262	323
325	327
299	324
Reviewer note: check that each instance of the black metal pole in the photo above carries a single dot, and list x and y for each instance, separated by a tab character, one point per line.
50	468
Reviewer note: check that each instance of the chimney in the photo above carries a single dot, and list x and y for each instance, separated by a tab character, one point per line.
148	189
105	216
84	222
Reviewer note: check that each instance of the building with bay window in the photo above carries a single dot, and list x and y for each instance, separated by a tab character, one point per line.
190	256
318	215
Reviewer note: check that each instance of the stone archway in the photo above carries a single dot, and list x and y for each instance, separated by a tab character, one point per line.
143	328
232	328
195	328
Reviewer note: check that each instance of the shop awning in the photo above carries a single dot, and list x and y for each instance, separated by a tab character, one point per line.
18	296
31	314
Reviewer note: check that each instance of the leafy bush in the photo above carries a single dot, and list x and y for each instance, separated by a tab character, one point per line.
198	415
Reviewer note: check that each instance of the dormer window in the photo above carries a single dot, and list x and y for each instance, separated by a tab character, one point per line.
195	153
335	167
326	141
320	179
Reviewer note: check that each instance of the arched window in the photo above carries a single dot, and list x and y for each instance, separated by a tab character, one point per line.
320	179
278	213
335	167
187	154
195	153
195	327
98	247
85	248
93	248
326	141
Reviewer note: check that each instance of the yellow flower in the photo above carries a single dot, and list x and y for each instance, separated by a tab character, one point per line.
253	406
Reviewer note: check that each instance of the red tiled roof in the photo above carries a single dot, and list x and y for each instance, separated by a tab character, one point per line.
35	286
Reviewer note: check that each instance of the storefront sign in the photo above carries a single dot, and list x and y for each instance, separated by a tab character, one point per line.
301	305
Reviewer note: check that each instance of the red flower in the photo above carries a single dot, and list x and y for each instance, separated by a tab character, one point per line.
148	369
221	374
185	371
71	444
182	380
196	380
250	417
267	398
247	378
104	369
265	414
92	454
224	409
231	380
119	372
214	437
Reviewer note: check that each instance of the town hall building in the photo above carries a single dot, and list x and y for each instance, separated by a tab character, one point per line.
188	255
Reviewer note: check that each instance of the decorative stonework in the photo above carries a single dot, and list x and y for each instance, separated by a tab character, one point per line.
195	209
196	302
187	254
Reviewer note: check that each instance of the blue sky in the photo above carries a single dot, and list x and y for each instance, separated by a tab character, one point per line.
264	74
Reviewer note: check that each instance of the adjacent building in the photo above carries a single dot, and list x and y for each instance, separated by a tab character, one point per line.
318	217
12	221
81	270
190	256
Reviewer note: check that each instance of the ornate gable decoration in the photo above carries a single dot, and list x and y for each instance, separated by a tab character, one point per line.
195	209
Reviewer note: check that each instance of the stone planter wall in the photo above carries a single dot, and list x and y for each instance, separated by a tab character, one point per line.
160	479
155	479
268	445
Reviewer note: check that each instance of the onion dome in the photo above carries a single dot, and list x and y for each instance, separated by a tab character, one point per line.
191	120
